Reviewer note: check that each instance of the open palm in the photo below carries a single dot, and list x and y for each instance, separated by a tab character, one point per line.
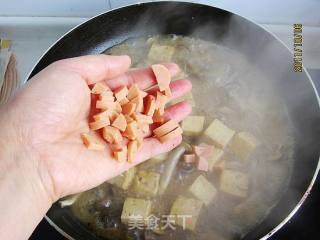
51	112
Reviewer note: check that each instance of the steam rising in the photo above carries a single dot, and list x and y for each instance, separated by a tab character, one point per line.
234	82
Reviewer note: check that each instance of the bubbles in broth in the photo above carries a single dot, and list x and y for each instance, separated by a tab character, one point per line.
238	193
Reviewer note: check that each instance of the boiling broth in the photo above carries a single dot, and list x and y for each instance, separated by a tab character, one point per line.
228	87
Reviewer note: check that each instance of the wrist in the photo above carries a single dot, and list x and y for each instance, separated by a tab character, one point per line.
24	199
18	154
21	166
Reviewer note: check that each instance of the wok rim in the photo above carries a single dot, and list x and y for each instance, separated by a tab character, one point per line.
316	172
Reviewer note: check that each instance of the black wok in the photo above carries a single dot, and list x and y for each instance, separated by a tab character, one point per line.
108	29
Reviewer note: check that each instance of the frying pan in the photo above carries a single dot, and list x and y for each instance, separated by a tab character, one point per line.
297	89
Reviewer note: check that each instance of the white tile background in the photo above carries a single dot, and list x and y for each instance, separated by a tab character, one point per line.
35	24
262	11
56	8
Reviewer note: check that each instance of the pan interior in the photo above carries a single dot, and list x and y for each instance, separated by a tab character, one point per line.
259	66
227	80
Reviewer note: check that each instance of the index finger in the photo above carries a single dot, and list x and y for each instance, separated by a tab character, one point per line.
95	68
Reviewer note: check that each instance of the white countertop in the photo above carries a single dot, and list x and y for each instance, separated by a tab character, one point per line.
33	35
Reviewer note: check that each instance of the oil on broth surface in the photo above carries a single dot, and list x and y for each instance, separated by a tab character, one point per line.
226	86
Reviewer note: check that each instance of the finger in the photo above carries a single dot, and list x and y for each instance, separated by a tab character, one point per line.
95	68
150	148
178	88
178	112
96	167
144	78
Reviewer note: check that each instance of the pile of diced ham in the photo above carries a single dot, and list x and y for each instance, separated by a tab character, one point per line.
123	117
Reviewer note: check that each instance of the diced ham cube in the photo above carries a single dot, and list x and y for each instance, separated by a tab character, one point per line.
158	117
165	128
128	119
100	88
161	101
144	127
101	116
162	75
98	124
124	101
134	91
120	122
121	93
171	135
132	151
106	98
104	105
142	118
92	142
131	131
167	92
121	156
150	105
139	103
189	158
204	151
112	135
129	108
112	115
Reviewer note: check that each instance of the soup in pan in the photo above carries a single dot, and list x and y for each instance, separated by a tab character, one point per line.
231	168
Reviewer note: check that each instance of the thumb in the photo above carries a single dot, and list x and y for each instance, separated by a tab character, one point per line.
95	68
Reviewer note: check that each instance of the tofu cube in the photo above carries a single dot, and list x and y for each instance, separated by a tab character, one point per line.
203	190
186	211
215	158
219	133
146	183
124	180
129	176
234	182
192	125
243	144
160	53
187	98
135	209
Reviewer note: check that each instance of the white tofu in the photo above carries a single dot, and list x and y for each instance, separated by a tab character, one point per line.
187	98
243	144
135	209
215	157
124	180
192	125
146	183
186	208
129	176
234	182
203	190
160	53
219	133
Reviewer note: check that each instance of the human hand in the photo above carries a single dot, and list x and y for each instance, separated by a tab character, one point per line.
49	114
